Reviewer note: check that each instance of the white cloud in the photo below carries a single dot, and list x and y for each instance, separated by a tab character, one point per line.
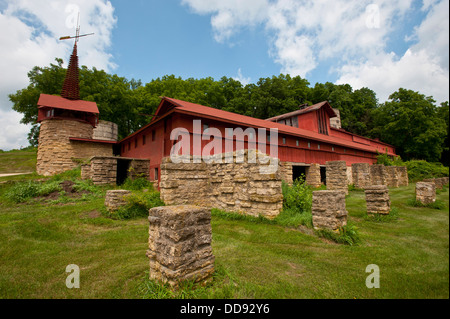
244	81
14	135
29	37
353	34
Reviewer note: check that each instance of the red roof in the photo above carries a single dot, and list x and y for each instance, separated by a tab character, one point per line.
59	102
308	109
247	121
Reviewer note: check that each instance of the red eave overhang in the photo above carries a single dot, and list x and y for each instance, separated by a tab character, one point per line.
59	102
91	140
193	109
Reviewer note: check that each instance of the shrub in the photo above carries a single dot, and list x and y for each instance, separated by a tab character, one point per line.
138	205
298	196
418	170
347	235
21	192
138	183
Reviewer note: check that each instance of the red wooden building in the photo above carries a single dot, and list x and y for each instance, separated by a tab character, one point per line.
305	136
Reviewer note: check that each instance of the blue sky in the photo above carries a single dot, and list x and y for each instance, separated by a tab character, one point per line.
380	44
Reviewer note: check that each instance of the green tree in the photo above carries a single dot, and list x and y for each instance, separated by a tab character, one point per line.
443	113
411	123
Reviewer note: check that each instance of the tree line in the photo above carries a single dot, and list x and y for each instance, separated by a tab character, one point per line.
409	120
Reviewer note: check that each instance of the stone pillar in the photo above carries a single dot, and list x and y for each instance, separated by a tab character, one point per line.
391	176
313	175
86	171
337	176
377	199
378	174
425	192
328	210
180	244
286	172
115	199
402	174
361	175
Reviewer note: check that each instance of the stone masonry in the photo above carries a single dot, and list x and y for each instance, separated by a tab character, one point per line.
180	244
233	187
392	179
337	176
377	199
361	175
402	175
377	174
313	175
329	210
115	199
56	152
425	192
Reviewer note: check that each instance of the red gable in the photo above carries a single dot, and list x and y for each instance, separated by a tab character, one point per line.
59	102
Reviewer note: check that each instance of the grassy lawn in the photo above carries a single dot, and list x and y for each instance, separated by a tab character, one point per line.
18	161
253	259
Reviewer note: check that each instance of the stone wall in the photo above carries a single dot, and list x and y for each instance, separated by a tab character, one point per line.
337	176
107	131
377	174
180	244
233	187
56	153
329	210
286	172
115	199
377	199
392	179
425	192
313	175
402	175
361	175
439	182
102	170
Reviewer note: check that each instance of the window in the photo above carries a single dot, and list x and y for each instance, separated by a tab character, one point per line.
297	143
309	144
318	146
135	143
284	140
156	173
322	118
153	135
143	139
129	145
332	148
205	128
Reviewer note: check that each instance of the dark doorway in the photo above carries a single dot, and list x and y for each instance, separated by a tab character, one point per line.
298	171
323	175
122	170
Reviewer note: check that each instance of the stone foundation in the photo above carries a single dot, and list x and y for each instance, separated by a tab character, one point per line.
313	178
180	244
115	199
361	175
329	210
425	192
377	174
232	187
377	199
337	176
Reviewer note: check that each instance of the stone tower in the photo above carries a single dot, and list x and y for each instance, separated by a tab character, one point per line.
67	127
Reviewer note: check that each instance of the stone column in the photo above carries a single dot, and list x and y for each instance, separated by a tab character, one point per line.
377	199
402	174
391	176
361	175
329	210
378	174
180	244
313	175
337	176
426	192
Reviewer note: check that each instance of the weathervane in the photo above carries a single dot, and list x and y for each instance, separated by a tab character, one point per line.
77	36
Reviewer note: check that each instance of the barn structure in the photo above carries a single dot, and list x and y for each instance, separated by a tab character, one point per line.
71	132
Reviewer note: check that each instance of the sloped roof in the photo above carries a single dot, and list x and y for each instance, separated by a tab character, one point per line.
59	102
247	121
324	104
71	86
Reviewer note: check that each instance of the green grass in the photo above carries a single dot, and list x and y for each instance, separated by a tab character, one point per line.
254	258
18	161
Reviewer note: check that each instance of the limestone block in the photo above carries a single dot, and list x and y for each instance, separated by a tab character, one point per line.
313	177
337	176
426	192
361	175
377	199
377	174
329	210
402	173
180	244
391	176
115	199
